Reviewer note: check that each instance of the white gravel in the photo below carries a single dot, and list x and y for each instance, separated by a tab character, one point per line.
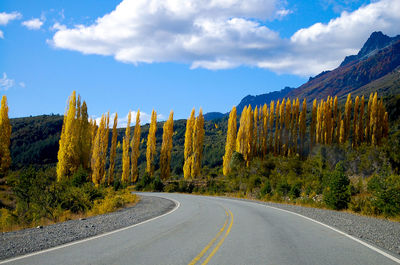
35	239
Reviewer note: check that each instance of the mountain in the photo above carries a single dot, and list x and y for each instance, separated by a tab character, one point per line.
379	57
209	116
376	67
259	100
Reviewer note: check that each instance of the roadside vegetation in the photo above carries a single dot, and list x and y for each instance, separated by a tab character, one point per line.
342	157
37	198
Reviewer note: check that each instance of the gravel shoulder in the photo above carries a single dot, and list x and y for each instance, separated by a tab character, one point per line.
379	232
35	239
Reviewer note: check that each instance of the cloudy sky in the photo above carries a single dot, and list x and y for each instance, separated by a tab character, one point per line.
174	54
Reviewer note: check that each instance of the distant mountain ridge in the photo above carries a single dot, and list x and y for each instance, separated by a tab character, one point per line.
375	67
379	56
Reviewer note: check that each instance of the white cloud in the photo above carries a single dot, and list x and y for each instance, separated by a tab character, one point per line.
1	35
7	17
6	83
58	26
221	34
283	12
33	24
22	84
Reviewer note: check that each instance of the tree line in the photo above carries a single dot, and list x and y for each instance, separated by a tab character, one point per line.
281	128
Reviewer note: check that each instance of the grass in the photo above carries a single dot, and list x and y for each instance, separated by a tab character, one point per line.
113	201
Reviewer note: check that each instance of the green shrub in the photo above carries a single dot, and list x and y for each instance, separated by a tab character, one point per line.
266	188
337	194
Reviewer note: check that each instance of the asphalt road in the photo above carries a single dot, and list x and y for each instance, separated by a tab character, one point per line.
207	230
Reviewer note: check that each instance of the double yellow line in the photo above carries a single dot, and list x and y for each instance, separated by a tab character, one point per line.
206	248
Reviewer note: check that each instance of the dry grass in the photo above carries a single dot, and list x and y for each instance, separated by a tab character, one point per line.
113	201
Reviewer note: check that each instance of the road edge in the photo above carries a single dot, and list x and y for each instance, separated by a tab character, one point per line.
177	205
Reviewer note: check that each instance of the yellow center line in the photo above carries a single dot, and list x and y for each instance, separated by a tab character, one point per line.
198	257
220	242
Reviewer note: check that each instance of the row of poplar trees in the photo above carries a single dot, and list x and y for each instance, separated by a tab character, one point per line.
281	128
5	135
85	144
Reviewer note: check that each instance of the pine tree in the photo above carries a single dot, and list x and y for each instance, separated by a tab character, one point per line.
166	147
230	145
151	144
198	139
188	152
113	151
125	151
5	136
135	145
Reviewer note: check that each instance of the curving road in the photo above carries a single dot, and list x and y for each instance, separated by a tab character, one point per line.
208	230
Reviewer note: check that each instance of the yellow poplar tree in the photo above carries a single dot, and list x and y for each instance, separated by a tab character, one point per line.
113	151
360	125
336	121
198	138
100	146
282	120
265	129
5	136
249	133
271	124
347	117
342	138
151	144
166	147
230	141
135	146
288	113
188	152
67	155
255	132
125	151
295	125
241	137
313	124
355	121
276	140
302	125
374	119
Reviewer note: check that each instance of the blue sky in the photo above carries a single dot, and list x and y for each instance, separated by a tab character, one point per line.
176	54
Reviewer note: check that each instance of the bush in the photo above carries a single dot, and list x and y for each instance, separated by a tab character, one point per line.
337	194
266	188
386	193
80	177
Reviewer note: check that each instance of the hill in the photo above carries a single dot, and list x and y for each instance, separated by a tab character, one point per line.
375	68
